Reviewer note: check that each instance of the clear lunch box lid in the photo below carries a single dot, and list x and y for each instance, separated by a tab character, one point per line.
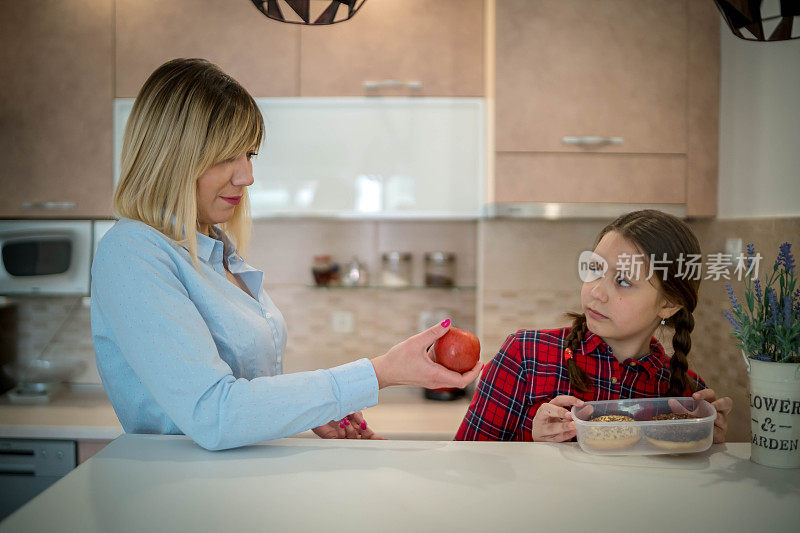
681	425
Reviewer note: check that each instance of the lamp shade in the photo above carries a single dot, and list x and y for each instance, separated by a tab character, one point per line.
309	12
758	20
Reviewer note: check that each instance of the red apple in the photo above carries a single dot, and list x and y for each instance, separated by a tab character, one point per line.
458	350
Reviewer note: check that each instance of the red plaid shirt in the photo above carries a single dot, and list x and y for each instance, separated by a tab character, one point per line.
530	370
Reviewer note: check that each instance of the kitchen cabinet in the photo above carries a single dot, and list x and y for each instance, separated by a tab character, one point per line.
642	75
55	110
438	43
260	53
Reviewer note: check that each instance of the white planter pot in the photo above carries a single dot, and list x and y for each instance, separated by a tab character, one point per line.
774	413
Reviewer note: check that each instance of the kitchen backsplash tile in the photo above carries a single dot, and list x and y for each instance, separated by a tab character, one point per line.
381	319
42	319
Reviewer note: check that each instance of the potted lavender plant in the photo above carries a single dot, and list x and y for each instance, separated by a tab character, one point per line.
767	329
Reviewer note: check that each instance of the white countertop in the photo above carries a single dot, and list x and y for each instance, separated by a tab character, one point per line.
84	413
168	483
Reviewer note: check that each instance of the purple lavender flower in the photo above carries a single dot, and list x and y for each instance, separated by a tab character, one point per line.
735	323
772	300
751	249
796	300
785	257
787	312
732	297
757	289
760	357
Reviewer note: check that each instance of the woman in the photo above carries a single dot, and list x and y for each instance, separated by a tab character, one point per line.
186	339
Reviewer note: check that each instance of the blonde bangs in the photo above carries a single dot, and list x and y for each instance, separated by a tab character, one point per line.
237	129
188	117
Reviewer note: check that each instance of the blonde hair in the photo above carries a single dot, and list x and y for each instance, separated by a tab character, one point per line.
188	116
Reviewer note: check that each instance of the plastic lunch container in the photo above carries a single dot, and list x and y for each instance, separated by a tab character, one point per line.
645	436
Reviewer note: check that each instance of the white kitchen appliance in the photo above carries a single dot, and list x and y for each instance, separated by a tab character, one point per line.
45	256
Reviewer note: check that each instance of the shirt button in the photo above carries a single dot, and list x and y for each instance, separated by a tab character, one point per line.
613	380
267	315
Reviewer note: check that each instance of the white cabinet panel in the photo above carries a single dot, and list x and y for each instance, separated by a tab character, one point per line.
364	157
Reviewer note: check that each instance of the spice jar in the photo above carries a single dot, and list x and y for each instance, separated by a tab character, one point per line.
323	270
396	269
440	269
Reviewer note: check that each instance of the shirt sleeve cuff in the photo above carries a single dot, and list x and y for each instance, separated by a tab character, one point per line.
357	384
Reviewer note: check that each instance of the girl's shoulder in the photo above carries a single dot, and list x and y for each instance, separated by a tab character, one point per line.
539	344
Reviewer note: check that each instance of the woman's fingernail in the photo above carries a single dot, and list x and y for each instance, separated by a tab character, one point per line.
363	425
341	424
446	323
346	422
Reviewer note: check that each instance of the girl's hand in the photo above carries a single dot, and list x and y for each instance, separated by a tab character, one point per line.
350	427
723	407
411	363
552	422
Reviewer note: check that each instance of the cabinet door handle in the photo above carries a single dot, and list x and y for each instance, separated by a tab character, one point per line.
50	206
591	140
372	85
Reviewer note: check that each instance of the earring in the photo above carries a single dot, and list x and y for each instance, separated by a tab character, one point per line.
663	321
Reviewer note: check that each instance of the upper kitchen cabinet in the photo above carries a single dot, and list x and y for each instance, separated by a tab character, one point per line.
260	53
607	101
55	109
435	43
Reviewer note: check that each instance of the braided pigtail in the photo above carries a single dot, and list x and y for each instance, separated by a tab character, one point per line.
578	377
683	322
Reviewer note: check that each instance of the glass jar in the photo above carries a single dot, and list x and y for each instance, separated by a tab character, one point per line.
440	269
354	274
396	269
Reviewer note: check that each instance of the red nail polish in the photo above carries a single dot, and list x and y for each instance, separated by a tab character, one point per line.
446	323
346	422
363	425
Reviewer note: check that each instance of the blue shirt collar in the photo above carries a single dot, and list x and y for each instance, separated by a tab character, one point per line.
206	245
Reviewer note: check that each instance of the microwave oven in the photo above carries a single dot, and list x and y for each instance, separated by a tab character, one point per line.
45	256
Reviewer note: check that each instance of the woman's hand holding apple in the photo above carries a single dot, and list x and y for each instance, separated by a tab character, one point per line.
412	363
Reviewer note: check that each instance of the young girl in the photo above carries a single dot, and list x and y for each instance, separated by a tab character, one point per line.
609	352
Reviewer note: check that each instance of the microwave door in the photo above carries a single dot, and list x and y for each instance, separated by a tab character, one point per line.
45	257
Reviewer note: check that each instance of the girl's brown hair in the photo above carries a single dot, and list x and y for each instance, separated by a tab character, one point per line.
664	237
